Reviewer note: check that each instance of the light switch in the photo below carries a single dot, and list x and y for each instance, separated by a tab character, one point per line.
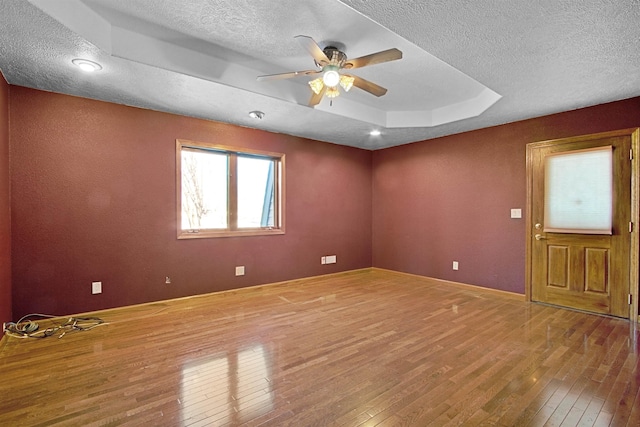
96	288
516	213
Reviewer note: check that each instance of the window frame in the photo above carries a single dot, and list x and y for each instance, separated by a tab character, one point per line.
232	229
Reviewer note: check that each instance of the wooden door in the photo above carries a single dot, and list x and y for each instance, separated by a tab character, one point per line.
577	265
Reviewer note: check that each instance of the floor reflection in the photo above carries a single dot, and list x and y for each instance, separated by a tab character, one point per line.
633	337
227	389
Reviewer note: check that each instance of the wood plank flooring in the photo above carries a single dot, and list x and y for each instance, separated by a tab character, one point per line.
365	348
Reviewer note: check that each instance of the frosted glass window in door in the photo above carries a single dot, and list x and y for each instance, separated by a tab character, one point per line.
578	191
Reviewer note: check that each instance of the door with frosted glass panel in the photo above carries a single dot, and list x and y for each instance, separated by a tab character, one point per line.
580	212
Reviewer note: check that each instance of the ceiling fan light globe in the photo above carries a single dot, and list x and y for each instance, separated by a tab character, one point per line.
346	82
316	85
331	78
332	92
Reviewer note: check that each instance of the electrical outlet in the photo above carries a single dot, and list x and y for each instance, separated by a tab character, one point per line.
167	280
455	265
240	270
323	260
96	288
330	259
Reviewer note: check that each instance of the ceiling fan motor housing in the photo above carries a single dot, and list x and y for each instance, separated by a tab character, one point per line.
335	55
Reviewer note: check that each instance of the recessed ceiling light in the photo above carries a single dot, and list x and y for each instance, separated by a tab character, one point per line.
86	65
375	132
256	115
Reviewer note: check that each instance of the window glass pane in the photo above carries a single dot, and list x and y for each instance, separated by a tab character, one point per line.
579	192
255	192
204	189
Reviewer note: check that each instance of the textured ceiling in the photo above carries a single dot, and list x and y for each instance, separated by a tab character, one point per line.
466	65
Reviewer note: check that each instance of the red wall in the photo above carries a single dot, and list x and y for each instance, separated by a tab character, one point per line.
449	199
5	205
93	199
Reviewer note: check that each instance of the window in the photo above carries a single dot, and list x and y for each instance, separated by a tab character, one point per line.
224	191
578	195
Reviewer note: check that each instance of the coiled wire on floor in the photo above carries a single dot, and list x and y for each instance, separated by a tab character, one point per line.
26	327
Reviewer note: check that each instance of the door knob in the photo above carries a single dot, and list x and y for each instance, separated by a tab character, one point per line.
539	237
538	226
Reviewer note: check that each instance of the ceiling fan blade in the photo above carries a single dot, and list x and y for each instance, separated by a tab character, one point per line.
316	97
374	58
312	47
287	75
368	86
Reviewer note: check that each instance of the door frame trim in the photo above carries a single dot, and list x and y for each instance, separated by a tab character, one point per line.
634	252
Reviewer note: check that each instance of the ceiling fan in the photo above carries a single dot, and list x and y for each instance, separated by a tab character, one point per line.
331	61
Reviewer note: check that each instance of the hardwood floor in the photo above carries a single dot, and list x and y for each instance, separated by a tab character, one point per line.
365	348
